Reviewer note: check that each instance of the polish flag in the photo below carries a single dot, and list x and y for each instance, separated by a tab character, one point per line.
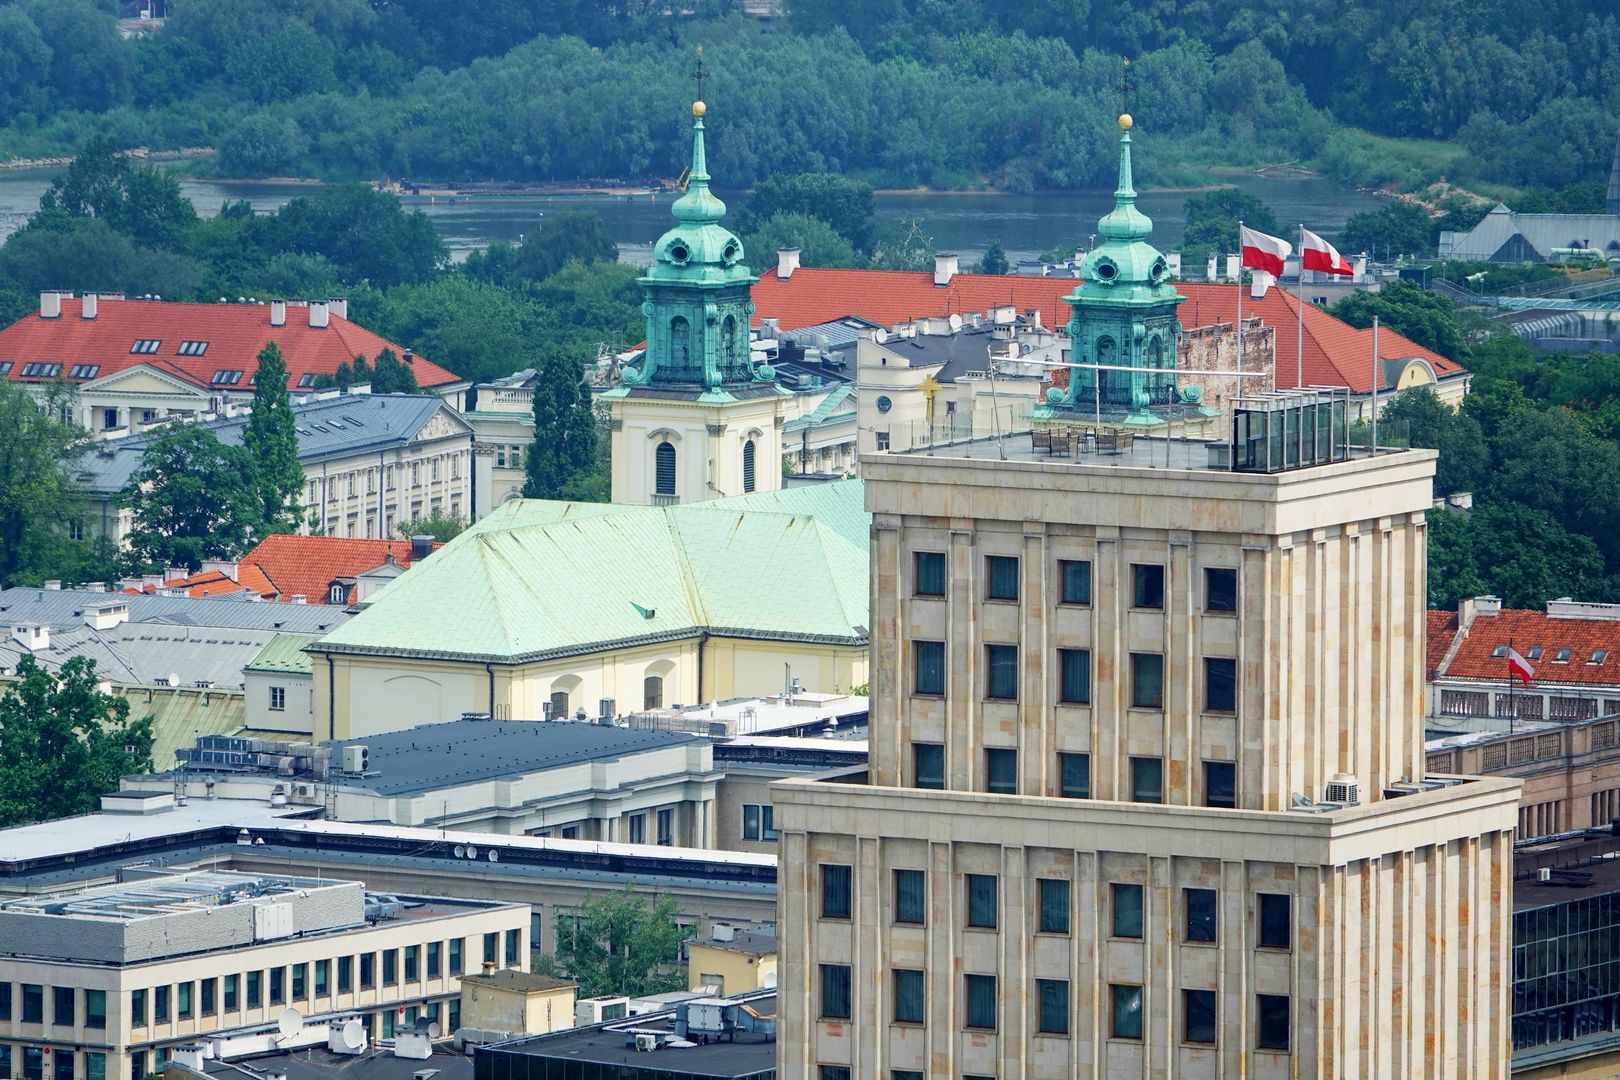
1317	254
1262	252
1519	668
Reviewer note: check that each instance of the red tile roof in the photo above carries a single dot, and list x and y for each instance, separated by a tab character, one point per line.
1442	629
1524	630
1336	354
234	332
307	565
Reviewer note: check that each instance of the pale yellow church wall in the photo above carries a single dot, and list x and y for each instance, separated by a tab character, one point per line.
708	440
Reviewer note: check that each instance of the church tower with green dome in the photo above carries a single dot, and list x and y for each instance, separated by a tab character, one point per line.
1125	317
695	418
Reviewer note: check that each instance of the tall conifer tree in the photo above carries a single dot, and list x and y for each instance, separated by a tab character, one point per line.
271	442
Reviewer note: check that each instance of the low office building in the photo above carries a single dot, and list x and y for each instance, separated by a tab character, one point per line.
509	1004
573	780
278	689
732	961
554	609
107	982
372	463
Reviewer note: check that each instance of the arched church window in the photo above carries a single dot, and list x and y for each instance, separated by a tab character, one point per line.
559	705
1156	352
652	692
1106	352
729	337
680	341
664	471
748	465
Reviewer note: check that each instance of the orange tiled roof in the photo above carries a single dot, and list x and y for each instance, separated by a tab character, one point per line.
1525	630
1336	354
234	332
1442	628
216	583
307	565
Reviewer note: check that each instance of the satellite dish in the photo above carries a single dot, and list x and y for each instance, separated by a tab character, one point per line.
290	1023
472	852
461	852
494	856
353	1035
434	1029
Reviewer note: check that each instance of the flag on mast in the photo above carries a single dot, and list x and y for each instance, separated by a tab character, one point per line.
1518	667
1317	254
1263	252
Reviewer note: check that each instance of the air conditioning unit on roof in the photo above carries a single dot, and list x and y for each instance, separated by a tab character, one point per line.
1344	789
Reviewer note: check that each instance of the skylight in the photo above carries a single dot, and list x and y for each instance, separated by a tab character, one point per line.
193	348
5	367
41	371
1562	656
84	371
1499	652
227	376
1598	656
145	346
306	379
1536	651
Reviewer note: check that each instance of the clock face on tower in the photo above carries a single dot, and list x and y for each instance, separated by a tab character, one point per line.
884	404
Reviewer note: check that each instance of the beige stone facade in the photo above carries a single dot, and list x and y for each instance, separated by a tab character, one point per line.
1187	655
1571	773
670	448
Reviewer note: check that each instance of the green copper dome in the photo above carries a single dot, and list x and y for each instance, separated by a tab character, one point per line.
698	250
1124	267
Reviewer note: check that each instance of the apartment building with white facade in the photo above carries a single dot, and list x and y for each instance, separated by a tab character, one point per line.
105	983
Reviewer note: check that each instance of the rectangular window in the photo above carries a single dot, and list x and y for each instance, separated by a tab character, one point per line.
835	991
758	822
981	899
1220	684
390	967
930	567
1001	577
1276	920
666	826
278	986
95	1067
1127	910
928	765
638	828
1147	586
1054	899
905	1074
1220	590
910	898
455	956
345	979
1147	680
513	940
1127	1011
300	982
1273	1021
1053	998
1076	577
908	996
62	1012
435	950
1001	771
255	991
183	1003
1076	775
929	658
137	1064
278	698
413	963
1074	684
208	992
1001	672
1147	780
1201	914
323	977
1220	784
33	1063
95	1009
160	1004
835	891
832	1072
981	1001
228	1001
534	943
5	1004
1198	1016
368	970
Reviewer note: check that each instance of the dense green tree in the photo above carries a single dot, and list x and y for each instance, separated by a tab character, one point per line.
1212	223
563	236
90	63
1465	459
192	499
87	254
994	260
1523	555
64	743
364	233
1547	460
139	201
443	527
390	374
904	245
477	329
1401	228
38	499
620	944
270	443
848	206
564	446
25	64
1427	318
819	244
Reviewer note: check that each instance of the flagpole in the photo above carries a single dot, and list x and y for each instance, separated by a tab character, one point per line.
1300	333
1513	712
1374	452
1239	365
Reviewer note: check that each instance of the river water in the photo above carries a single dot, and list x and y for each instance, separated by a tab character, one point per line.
964	223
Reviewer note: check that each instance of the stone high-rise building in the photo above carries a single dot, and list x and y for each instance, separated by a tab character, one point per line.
1146	795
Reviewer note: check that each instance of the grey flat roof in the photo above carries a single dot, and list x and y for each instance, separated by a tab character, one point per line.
464	751
66	607
749	1055
319	1063
104	830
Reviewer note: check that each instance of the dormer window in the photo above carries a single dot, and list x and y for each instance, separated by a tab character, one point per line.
336	594
193	348
145	346
227	377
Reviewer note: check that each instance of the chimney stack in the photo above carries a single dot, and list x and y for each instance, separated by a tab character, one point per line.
278	313
421	548
489	967
50	305
339	306
319	314
87	309
945	265
787	261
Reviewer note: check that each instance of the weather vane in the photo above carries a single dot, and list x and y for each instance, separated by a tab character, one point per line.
698	73
1125	86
